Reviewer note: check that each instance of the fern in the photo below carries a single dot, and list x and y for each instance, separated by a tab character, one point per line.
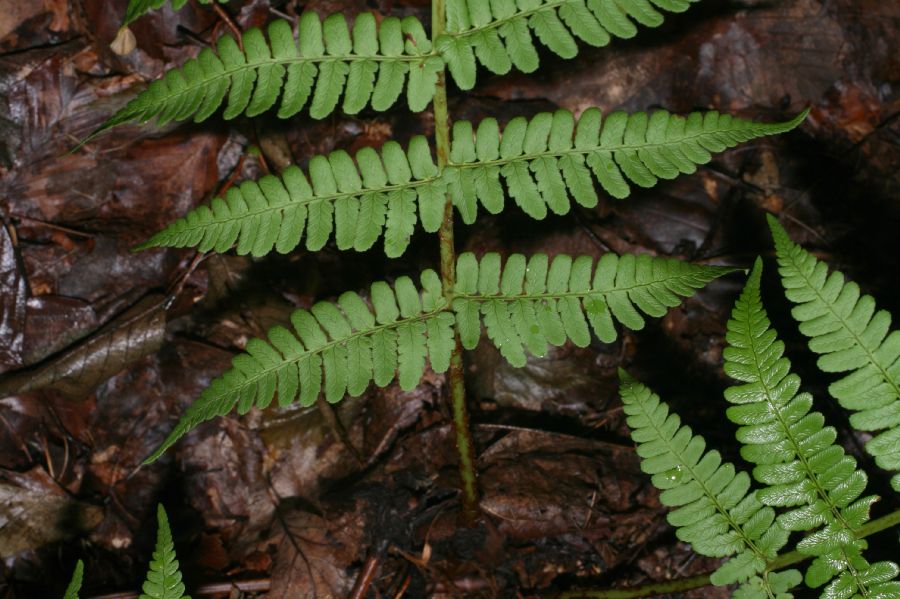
367	65
543	161
527	304
499	32
163	577
370	63
796	455
530	303
551	156
138	8
851	336
357	202
717	513
75	583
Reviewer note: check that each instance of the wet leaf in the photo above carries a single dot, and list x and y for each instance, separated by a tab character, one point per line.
136	333
12	304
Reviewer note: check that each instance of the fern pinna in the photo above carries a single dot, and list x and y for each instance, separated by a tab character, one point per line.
527	303
851	336
544	162
805	474
369	62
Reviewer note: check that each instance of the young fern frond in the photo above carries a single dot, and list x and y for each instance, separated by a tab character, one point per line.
499	32
163	577
530	303
717	512
356	201
796	455
138	8
851	336
75	583
543	161
547	158
526	304
367	65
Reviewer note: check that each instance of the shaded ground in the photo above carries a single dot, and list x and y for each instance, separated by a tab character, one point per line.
119	343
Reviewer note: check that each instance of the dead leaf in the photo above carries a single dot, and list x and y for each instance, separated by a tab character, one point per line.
12	304
137	333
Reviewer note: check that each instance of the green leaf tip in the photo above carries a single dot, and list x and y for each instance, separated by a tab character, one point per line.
163	577
75	584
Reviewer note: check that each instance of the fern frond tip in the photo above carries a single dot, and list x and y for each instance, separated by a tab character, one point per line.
75	583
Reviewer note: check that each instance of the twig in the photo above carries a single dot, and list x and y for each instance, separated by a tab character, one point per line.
260	585
226	18
366	576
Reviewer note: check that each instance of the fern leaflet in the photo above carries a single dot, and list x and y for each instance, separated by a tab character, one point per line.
543	161
796	455
547	158
357	202
138	8
530	303
851	336
717	512
499	33
75	583
348	342
367	65
163	577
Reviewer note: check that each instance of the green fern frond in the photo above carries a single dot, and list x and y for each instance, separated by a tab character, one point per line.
851	336
356	201
347	341
530	303
547	158
138	8
499	33
75	583
795	454
163	577
717	512
367	65
543	161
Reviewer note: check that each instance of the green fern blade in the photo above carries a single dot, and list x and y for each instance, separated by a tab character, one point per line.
542	163
809	472
75	582
356	201
473	25
717	512
163	577
564	299
251	80
336	348
851	337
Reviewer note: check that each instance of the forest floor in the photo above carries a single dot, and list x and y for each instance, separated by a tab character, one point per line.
103	349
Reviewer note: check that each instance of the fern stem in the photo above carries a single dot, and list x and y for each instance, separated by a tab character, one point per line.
696	582
455	379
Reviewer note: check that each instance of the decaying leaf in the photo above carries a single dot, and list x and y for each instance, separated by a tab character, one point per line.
12	304
137	333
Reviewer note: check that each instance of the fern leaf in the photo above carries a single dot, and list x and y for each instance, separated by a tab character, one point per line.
357	202
794	453
851	336
530	303
546	160
335	347
717	513
499	33
163	577
75	583
324	62
138	8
